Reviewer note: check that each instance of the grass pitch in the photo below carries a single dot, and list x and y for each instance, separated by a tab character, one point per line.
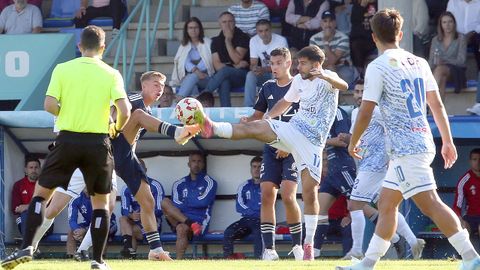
236	265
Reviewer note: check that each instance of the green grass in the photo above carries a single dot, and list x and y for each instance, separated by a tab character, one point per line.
235	265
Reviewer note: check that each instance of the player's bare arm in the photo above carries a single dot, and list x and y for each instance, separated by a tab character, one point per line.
280	107
51	105
122	111
332	78
363	120
449	152
257	115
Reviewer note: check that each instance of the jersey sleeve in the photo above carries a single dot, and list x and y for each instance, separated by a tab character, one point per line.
430	82
241	204
252	48
293	94
73	214
261	104
342	123
353	119
118	88
16	200
158	196
459	200
177	194
55	86
373	84
126	202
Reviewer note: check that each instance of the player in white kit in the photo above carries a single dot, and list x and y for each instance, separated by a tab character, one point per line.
304	136
401	84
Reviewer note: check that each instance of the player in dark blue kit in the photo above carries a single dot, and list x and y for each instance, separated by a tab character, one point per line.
127	165
248	205
278	169
130	222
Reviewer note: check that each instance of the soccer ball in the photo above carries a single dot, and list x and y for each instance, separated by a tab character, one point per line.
186	109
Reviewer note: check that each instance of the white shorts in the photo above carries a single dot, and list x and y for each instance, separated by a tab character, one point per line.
411	174
77	184
367	186
306	154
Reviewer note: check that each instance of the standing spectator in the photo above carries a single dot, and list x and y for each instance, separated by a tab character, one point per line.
230	58
193	62
467	197
20	18
448	54
83	140
277	9
248	205
260	47
22	191
421	29
305	17
343	12
115	9
248	13
361	41
336	46
167	99
193	197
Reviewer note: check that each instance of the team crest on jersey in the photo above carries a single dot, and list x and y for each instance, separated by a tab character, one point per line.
393	62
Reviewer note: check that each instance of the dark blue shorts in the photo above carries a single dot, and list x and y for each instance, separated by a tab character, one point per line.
275	170
127	165
339	182
473	222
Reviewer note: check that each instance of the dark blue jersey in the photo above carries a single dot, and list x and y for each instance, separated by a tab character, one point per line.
270	94
80	212
249	199
338	157
137	103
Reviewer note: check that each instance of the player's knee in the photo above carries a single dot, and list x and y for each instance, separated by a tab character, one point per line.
309	196
289	200
147	204
137	114
387	206
182	230
165	204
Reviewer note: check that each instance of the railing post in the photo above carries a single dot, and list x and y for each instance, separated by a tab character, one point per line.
147	36
171	19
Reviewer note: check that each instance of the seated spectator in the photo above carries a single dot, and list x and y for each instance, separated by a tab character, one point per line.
304	16
448	54
277	9
248	13
101	8
167	99
248	205
79	219
193	62
206	99
130	221
260	47
193	197
336	46
421	29
467	197
230	59
5	3
343	12
20	18
361	41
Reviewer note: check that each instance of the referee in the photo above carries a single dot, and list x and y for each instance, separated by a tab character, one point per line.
80	94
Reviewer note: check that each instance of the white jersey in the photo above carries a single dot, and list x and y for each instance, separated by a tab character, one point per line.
373	144
398	81
317	107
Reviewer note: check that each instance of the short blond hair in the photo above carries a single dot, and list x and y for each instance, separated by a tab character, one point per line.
151	74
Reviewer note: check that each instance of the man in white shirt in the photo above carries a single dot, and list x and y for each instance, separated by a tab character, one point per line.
261	45
20	18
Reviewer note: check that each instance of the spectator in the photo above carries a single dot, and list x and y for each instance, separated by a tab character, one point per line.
5	3
361	42
193	62
277	9
336	46
230	58
248	205
421	29
248	13
207	99
467	197
130	221
260	47
20	18
448	54
115	9
23	191
193	197
343	12
167	99
304	16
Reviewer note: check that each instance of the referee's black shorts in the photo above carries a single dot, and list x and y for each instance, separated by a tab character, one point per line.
91	153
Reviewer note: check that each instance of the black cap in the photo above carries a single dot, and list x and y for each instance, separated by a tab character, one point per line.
328	14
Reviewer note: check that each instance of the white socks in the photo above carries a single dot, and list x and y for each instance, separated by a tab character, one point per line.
310	227
404	230
461	242
376	249
358	229
46	224
86	242
223	129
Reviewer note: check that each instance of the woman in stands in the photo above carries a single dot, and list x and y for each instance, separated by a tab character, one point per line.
448	53
193	65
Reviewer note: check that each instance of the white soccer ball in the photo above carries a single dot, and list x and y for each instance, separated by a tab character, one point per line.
185	110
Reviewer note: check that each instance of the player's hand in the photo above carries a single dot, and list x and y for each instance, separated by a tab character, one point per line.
354	150
135	216
281	154
113	132
244	119
319	73
80	13
345	221
449	154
